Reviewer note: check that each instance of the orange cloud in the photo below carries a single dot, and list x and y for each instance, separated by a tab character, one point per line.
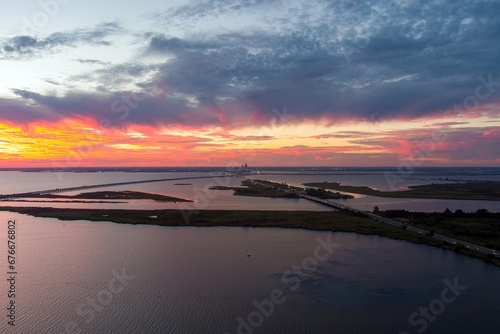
80	143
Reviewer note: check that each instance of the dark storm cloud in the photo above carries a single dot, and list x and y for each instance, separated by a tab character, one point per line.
121	109
161	44
334	59
372	60
199	10
25	112
22	47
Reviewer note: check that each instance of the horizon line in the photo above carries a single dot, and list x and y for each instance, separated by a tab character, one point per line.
249	167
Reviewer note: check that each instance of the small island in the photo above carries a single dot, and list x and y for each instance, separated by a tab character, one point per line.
263	188
257	189
474	190
335	221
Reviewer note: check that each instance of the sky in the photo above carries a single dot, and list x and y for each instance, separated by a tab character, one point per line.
263	82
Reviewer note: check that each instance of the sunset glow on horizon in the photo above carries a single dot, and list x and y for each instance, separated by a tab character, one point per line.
212	83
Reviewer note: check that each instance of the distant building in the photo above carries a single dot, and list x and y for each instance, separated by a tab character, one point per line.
240	170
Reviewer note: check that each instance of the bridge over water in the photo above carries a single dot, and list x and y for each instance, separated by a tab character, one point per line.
94	186
332	204
393	222
408	227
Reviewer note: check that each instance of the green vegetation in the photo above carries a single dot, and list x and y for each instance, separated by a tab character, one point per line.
475	190
336	221
259	188
340	221
324	194
480	227
114	195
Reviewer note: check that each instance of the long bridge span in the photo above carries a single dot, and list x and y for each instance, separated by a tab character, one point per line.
406	226
103	185
332	204
447	239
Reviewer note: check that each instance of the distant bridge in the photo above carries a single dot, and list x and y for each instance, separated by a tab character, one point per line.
393	222
103	185
408	227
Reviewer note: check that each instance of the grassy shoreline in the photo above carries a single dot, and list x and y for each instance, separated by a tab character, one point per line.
264	188
106	195
475	190
334	221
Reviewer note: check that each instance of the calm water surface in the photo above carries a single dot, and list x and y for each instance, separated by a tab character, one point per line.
196	190
378	180
200	280
204	198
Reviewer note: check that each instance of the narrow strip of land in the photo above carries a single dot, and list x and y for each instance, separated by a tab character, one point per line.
114	195
476	190
336	221
346	219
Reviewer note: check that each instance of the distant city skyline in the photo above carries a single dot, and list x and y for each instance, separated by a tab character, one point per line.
263	83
